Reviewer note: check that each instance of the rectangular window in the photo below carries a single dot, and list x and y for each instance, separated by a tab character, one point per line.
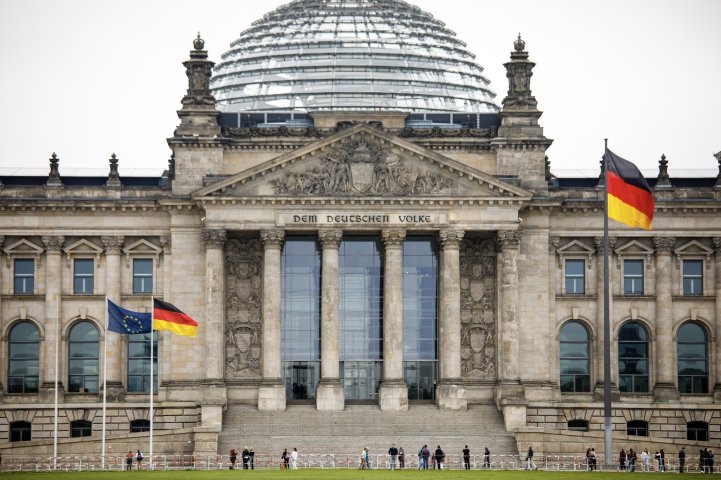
692	277
142	276
575	277
24	276
633	277
84	280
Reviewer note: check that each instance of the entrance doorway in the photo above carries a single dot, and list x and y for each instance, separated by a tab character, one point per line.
300	379
361	380
421	379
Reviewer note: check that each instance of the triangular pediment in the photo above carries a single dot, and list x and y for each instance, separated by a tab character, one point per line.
83	246
575	247
23	247
634	247
141	247
694	247
363	161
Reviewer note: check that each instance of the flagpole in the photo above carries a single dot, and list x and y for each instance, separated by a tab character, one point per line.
152	314
608	438
57	348
105	374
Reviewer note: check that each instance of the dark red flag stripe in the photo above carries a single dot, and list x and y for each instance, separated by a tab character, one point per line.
638	198
174	317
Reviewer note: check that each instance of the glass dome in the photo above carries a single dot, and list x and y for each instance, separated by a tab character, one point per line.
350	55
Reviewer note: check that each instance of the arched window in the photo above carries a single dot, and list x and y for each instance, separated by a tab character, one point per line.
81	428
692	359
578	425
24	359
633	358
137	426
20	432
697	431
575	359
638	428
139	362
83	358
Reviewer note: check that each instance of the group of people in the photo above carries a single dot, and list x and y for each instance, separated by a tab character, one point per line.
138	460
299	392
247	456
627	460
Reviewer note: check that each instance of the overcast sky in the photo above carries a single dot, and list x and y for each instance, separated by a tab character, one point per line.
89	78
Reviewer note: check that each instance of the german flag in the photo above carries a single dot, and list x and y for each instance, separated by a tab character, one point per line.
169	317
630	200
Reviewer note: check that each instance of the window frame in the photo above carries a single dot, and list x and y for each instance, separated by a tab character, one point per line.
32	276
144	276
139	425
10	360
86	427
566	276
70	359
683	276
647	358
25	430
84	276
643	276
144	375
636	427
696	427
581	425
680	359
588	341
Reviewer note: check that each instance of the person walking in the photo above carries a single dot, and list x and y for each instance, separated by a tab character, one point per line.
701	461
663	461
633	460
233	458
440	456
286	458
402	458
645	457
621	459
592	457
246	457
252	458
363	459
129	461
294	458
393	452
420	459
139	460
529	459
466	458
425	453
710	460
487	458
681	459
657	456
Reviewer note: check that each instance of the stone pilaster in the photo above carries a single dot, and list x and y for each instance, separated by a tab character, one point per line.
165	339
393	391
113	246
554	376
213	396
271	394
665	388
53	306
329	392
717	386
451	390
598	388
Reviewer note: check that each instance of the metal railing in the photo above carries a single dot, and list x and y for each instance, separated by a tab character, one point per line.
410	430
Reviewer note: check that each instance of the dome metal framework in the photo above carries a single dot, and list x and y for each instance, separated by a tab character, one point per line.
350	55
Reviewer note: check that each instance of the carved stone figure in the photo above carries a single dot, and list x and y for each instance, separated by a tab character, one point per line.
478	293
243	307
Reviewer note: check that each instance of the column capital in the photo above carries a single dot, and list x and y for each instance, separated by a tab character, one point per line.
53	243
272	238
113	244
330	238
509	239
715	240
393	238
553	244
214	237
450	238
166	242
599	244
664	245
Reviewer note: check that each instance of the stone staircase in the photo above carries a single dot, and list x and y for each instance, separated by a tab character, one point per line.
310	431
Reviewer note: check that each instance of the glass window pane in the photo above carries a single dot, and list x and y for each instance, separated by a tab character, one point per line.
632	332
575	268
24	267
135	383
632	350
31	384
633	268
142	267
83	349
24	350
566	383
692	350
574	367
83	267
574	350
583	383
692	268
640	384
84	331
691	332
574	331
25	332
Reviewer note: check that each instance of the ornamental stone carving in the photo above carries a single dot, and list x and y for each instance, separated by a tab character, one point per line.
113	244
214	238
330	238
54	176
599	244
478	309
664	245
716	244
450	238
113	176
509	239
361	167
166	243
272	238
243	307
54	244
393	238
553	244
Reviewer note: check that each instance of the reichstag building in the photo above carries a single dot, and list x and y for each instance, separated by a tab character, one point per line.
358	224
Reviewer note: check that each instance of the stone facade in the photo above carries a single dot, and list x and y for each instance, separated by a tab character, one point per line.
214	236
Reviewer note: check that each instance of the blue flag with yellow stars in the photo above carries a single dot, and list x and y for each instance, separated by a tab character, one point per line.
127	322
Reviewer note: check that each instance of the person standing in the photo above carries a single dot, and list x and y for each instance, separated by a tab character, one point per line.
440	456
657	456
663	461
529	459
710	460
363	459
393	452
592	458
644	457
402	458
286	458
252	458
295	391
294	455
129	461
233	458
425	453
245	455
681	459
633	460
139	460
487	458
621	458
466	458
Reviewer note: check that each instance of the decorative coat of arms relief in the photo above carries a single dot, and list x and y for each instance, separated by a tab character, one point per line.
362	167
243	308
478	309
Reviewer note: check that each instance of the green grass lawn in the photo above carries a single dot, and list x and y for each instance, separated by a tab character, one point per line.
316	475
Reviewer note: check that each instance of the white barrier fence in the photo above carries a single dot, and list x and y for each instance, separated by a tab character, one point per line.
349	461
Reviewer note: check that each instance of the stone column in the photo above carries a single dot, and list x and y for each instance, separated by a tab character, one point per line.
597	358
452	389
116	392
393	391
553	359
53	326
665	388
271	394
329	392
213	396
717	386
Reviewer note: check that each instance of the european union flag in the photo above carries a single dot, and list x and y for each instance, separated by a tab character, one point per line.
127	322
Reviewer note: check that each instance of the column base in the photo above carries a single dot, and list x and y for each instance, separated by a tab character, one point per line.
393	396
514	413
329	395
271	395
116	392
510	391
452	395
598	392
206	440
46	392
665	392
